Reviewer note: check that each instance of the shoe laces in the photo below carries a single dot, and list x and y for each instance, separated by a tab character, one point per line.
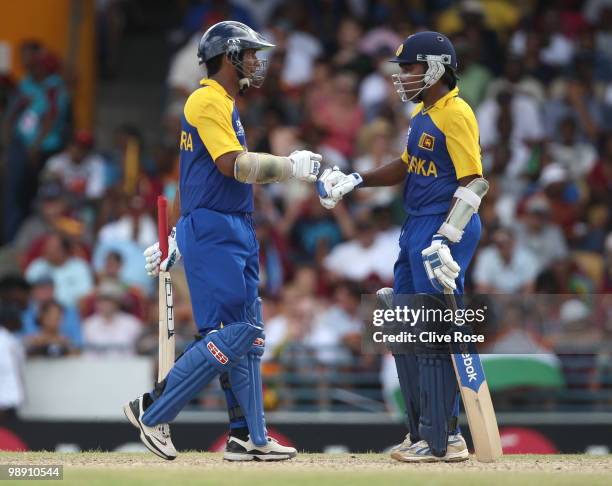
165	430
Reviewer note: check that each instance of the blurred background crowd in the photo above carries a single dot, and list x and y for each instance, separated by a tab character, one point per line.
78	204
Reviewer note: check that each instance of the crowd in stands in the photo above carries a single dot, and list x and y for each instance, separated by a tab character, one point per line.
76	216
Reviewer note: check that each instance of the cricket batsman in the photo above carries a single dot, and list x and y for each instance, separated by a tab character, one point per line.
442	171
216	239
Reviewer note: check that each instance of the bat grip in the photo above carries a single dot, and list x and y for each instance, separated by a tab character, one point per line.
162	225
449	296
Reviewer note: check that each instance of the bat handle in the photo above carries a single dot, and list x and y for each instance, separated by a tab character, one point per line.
162	225
449	296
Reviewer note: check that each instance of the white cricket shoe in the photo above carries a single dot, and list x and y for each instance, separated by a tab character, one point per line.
419	452
157	438
404	445
240	450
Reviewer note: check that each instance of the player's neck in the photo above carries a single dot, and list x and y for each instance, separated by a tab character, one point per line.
433	94
229	85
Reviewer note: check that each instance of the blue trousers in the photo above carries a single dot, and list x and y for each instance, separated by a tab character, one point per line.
220	252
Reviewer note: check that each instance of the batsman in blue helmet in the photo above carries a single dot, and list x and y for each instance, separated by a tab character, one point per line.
216	240
442	172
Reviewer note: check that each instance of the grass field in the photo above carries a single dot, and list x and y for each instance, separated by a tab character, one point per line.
101	468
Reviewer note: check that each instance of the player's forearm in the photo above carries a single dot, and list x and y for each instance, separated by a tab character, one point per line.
262	168
176	208
388	175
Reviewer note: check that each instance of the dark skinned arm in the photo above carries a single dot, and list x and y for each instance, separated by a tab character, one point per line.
175	213
388	175
225	163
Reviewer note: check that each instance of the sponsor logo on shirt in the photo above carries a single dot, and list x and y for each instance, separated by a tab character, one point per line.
239	128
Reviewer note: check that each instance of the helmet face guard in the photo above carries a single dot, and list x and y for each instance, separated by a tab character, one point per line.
253	76
409	86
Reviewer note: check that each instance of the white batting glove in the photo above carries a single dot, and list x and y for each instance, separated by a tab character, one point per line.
154	264
440	266
345	185
305	164
326	182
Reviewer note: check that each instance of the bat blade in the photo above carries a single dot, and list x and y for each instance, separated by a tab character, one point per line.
166	325
478	405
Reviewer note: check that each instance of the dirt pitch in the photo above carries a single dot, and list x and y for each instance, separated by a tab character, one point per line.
102	468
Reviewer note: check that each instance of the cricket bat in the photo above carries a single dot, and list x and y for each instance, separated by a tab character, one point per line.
166	309
475	395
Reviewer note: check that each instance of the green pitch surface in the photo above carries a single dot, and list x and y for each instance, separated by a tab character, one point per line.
101	468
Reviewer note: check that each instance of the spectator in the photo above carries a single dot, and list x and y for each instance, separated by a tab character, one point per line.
336	332
12	357
556	49
562	196
51	207
41	294
473	76
274	263
505	267
49	340
537	234
35	125
134	225
527	125
133	299
377	150
364	257
340	119
600	178
80	169
577	158
110	331
71	275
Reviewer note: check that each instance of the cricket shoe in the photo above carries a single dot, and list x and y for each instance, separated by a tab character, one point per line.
404	445
419	452
157	438
244	450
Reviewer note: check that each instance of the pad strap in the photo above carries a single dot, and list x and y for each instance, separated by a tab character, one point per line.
468	196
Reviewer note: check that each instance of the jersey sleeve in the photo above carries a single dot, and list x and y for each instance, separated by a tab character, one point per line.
213	120
463	145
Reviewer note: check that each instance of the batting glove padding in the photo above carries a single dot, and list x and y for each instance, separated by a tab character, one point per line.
305	164
154	264
328	179
440	266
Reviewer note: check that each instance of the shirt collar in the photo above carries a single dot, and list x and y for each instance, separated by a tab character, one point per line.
442	101
216	86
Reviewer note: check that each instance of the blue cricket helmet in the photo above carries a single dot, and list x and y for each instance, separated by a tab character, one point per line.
228	37
425	46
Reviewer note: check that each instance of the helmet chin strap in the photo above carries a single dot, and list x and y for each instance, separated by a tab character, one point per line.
244	84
